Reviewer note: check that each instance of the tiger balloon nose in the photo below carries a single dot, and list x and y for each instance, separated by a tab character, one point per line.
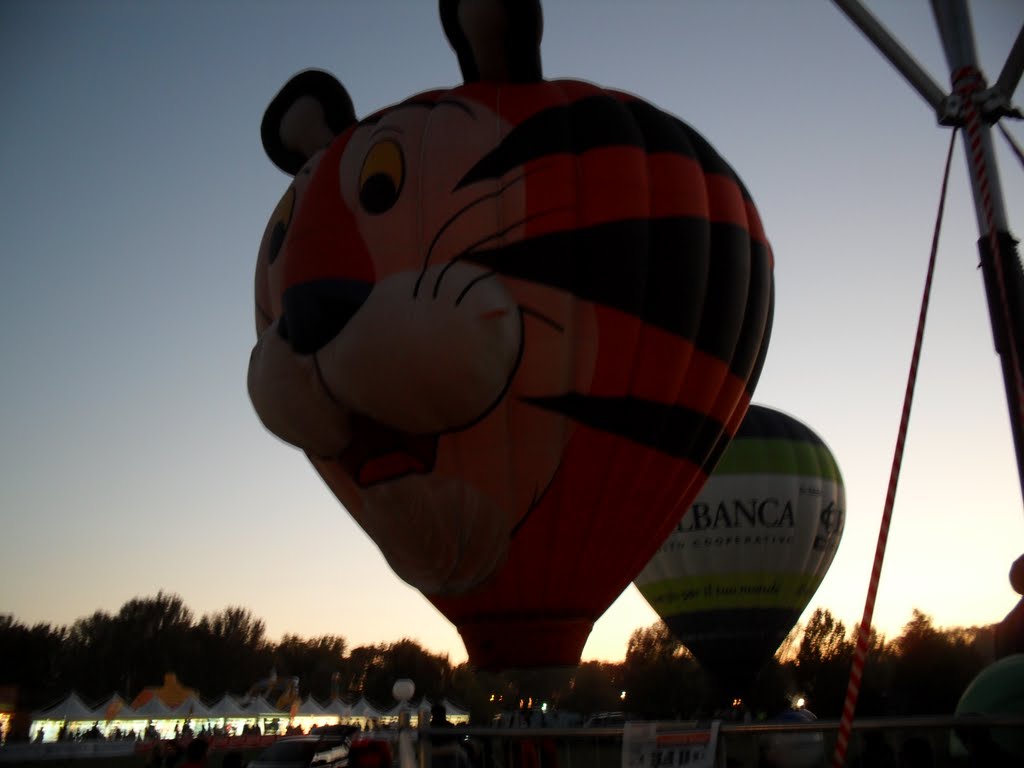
313	313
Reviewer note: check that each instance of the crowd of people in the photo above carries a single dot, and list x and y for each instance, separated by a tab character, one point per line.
150	733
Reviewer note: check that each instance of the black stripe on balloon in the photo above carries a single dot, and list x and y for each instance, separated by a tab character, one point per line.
671	429
590	263
762	353
715	454
750	342
733	644
686	275
716	291
602	120
663	132
590	123
742	624
416	102
763	423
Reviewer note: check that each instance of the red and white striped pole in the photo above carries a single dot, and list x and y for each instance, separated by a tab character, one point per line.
968	82
1001	270
864	630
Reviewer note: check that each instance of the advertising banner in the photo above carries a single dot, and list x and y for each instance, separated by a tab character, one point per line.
644	747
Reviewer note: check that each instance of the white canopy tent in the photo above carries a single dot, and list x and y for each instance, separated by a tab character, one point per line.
113	714
231	715
454	714
364	714
154	709
111	708
71	713
227	706
338	707
260	712
152	716
312	714
311	707
192	708
259	707
156	719
71	709
196	715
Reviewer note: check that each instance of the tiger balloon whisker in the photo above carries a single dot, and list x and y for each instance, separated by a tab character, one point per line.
494	194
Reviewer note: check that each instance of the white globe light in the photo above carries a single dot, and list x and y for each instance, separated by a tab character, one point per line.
403	689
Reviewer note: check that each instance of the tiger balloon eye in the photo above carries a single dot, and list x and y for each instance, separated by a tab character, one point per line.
513	324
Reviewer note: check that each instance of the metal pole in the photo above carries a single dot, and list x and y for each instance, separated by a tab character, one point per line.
896	54
954	22
1000	265
1012	69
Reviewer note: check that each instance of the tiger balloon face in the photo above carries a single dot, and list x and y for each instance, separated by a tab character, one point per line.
396	359
513	324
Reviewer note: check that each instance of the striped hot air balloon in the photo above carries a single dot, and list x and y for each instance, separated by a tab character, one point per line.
511	323
739	568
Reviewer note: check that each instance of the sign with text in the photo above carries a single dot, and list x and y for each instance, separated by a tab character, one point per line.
644	747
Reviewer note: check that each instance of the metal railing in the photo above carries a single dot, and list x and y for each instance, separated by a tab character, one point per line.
66	750
932	741
875	743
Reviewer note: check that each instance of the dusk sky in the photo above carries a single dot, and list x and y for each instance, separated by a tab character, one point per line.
134	191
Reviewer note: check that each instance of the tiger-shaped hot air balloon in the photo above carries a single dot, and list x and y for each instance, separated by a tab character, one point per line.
512	323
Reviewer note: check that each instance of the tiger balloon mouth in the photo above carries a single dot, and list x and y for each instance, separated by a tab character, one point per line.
321	424
378	454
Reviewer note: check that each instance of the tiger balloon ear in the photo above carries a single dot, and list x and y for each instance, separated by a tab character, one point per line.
306	114
495	40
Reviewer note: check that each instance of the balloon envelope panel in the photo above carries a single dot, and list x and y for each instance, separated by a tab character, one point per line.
738	569
997	690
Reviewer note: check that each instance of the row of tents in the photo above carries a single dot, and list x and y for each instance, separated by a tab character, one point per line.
115	717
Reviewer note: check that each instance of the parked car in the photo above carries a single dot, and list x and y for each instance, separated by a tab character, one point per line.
314	751
609	719
804	749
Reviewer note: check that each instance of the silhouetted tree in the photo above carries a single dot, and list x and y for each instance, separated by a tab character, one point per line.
934	667
408	659
30	659
231	652
597	687
312	661
661	677
371	671
923	671
822	663
146	639
96	658
478	691
152	638
773	690
357	668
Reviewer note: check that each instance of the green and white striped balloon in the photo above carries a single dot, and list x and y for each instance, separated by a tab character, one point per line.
739	568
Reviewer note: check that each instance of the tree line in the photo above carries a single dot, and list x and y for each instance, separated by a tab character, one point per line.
228	651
